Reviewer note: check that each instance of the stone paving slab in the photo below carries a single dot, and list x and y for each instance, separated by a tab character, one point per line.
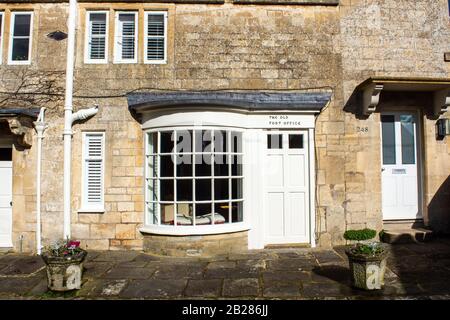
415	271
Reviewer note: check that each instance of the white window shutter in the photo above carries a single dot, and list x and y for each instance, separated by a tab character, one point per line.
126	37
156	25
97	36
93	170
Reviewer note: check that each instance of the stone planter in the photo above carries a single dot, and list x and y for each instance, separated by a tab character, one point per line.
64	274
367	271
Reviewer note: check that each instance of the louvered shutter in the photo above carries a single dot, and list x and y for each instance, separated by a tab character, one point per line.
156	34
97	36
93	170
126	37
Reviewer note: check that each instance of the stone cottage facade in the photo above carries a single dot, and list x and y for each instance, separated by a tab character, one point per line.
225	125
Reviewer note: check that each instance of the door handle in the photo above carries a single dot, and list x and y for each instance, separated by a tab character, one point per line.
10	203
382	169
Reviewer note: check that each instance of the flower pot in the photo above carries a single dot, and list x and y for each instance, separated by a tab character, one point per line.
64	273
367	271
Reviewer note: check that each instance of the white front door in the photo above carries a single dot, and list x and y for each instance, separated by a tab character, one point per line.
400	193
5	197
286	218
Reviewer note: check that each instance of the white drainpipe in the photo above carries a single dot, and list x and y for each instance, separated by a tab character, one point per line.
40	127
69	116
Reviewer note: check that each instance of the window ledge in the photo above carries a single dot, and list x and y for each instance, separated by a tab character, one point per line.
91	210
194	230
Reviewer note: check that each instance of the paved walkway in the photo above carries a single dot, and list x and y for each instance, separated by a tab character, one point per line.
416	271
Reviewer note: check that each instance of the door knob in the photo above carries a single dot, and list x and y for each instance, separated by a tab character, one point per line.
382	169
10	203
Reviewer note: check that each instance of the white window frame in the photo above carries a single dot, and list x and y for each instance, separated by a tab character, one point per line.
2	27
86	207
117	47
175	229
87	59
11	38
147	13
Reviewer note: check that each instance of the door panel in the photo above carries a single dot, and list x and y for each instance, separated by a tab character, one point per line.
287	195
400	193
5	203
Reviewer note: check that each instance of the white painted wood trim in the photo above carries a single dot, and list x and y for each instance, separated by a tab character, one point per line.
312	187
11	33
146	13
88	60
117	52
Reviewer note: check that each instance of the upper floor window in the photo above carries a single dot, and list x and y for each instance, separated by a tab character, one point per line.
1	36
96	37
20	38
125	47
155	42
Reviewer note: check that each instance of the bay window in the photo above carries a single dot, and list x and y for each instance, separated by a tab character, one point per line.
194	177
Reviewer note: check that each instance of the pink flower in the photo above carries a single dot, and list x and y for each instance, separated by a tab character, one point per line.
74	244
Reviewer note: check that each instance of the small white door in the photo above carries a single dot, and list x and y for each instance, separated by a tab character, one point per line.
286	217
5	197
400	193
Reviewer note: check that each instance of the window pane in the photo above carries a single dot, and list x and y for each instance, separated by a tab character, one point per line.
98	23
97	48
237	210
221	213
184	190
220	141
152	189
155	49
22	25
203	141
202	189
166	190
184	141
152	213
155	25
236	188
5	154
236	165
184	216
184	168
152	169
167	213
167	138
152	142
408	147
221	166
166	164
203	214
274	141
203	165
295	141
236	142
20	49
388	137
221	191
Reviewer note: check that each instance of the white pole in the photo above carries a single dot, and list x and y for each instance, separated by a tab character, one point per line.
68	107
40	127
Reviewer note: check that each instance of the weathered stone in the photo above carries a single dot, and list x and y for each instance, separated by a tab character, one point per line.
154	288
241	287
204	288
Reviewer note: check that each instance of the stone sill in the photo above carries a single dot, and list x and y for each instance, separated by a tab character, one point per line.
290	2
194	230
93	210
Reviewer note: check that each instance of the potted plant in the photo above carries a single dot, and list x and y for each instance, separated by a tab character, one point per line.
64	261
367	259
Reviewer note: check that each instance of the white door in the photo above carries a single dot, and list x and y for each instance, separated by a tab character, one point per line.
5	197
286	218
400	193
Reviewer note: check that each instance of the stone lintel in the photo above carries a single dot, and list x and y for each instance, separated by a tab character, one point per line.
260	2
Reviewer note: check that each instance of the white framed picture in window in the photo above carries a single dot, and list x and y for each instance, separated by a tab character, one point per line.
20	38
155	37
93	172
125	37
96	40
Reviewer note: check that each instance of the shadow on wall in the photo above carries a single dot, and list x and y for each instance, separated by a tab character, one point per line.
439	209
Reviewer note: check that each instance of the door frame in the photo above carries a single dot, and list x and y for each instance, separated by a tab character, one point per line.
309	179
419	154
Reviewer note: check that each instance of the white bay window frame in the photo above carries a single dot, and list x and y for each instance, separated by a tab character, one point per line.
87	205
118	37
146	37
12	38
89	36
175	229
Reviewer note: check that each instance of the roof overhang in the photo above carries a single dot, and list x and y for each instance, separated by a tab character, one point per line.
372	88
248	100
